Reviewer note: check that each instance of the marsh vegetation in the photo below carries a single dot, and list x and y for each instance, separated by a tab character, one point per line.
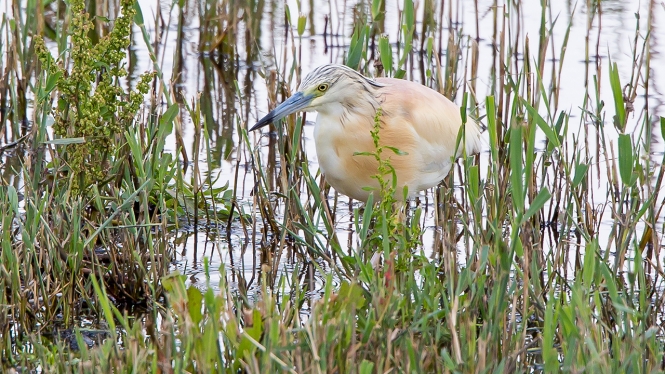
143	229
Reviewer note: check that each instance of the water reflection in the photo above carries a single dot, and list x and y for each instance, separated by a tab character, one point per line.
242	58
245	53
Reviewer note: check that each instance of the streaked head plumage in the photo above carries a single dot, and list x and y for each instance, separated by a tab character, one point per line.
324	85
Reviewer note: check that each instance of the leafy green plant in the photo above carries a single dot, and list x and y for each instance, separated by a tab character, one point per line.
91	110
390	233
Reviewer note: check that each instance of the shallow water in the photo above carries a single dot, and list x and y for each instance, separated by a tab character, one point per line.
611	40
234	93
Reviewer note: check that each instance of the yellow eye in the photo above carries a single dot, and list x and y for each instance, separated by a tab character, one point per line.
323	87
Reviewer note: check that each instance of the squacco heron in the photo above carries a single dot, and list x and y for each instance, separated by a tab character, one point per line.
420	122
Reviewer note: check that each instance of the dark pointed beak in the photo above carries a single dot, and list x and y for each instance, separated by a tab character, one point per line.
295	103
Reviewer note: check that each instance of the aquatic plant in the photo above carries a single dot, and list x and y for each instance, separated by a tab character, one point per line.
92	109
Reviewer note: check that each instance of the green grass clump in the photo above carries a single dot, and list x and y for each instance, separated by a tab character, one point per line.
88	202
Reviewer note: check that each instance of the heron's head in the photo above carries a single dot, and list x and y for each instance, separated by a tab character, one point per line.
325	85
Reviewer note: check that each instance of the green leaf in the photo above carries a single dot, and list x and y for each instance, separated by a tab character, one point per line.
397	151
302	21
610	283
169	116
287	14
540	121
351	294
376	9
474	183
104	302
52	81
617	93
580	173
105	19
12	195
138	15
367	218
164	129
589	268
409	19
356	46
492	128
537	203
462	108
363	154
66	141
195	302
626	159
366	367
251	334
386	53
550	355
519	249
516	167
